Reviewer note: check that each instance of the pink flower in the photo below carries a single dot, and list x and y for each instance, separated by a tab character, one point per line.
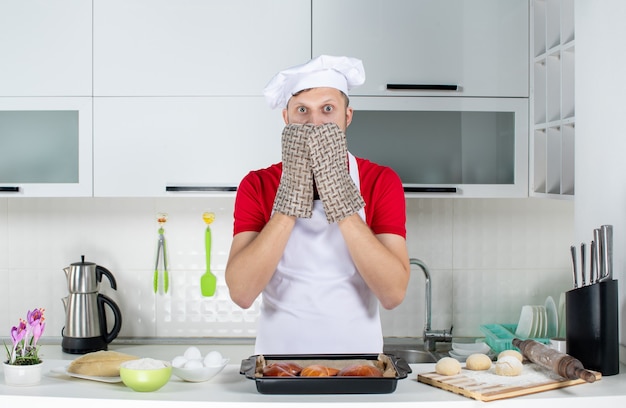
24	337
18	333
36	322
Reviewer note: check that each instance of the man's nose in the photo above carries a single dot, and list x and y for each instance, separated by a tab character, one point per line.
316	119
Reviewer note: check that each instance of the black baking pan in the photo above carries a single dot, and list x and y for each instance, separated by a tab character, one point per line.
395	369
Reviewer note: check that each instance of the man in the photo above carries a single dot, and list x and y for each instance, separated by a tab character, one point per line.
322	234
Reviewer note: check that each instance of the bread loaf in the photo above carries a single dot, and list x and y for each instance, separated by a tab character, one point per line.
317	370
360	371
99	363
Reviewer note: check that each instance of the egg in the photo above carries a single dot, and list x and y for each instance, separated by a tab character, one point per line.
193	353
179	361
193	364
214	358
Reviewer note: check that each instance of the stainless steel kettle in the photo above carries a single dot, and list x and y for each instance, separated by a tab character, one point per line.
86	329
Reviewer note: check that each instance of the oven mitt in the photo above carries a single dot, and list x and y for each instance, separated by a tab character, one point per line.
329	161
295	191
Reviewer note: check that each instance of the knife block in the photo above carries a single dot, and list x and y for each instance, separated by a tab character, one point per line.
591	326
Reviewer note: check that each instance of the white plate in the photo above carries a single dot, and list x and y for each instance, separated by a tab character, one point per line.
543	322
470	348
63	370
525	324
462	357
534	327
553	318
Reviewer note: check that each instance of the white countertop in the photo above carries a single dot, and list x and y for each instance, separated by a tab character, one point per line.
230	388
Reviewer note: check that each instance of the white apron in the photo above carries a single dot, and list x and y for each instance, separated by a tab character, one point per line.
317	302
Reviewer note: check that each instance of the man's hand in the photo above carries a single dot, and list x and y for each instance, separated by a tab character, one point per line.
295	191
329	162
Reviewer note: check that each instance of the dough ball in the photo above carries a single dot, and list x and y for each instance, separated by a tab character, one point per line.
508	366
478	362
448	366
513	353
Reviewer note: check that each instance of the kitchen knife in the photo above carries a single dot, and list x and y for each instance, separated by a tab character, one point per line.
574	263
583	264
606	232
592	263
598	253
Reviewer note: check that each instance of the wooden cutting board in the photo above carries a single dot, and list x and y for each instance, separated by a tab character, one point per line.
488	386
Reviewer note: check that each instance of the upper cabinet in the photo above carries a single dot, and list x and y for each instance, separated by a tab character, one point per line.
429	47
196	47
164	146
45	48
45	147
552	99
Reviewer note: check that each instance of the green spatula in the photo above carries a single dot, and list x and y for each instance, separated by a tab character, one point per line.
208	281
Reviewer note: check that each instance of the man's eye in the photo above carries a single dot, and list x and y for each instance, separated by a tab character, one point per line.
328	108
301	109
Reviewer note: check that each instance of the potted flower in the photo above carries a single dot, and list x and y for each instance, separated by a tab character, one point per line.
23	365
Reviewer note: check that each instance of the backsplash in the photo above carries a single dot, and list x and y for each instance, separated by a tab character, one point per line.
487	257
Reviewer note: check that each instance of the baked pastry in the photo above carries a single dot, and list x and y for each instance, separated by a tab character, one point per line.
282	369
362	370
318	370
478	362
448	366
103	363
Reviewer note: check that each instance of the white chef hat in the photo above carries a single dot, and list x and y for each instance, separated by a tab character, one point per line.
343	73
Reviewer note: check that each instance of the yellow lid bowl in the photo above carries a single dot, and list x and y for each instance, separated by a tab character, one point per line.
145	379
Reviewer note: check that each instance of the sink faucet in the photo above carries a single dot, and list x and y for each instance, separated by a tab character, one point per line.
431	337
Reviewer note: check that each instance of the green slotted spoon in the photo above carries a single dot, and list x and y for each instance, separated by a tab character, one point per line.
208	281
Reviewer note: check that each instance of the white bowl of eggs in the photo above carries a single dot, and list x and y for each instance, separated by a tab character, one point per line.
192	366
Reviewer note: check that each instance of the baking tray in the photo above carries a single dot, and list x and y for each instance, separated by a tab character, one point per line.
395	369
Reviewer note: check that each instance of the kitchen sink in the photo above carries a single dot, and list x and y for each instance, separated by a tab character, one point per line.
413	356
413	352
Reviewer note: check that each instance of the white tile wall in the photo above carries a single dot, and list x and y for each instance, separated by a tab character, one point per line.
487	257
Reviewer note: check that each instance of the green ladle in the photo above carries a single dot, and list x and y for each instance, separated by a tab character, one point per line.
208	281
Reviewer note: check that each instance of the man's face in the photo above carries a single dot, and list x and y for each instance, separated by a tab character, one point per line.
318	106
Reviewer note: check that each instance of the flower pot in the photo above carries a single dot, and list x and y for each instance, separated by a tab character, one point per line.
22	375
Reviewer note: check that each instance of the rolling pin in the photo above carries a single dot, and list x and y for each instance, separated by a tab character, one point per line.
562	364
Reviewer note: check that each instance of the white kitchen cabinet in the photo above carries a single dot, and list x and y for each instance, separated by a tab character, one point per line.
446	147
45	48
45	147
196	47
173	146
481	46
552	99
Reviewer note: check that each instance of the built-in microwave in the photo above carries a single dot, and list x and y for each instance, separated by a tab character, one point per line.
446	147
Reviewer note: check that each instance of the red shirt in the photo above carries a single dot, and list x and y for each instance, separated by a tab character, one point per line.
381	189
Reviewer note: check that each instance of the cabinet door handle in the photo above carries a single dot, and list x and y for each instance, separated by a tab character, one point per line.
182	189
423	87
408	189
9	189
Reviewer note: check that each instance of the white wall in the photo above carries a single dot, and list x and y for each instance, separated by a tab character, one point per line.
600	128
487	258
